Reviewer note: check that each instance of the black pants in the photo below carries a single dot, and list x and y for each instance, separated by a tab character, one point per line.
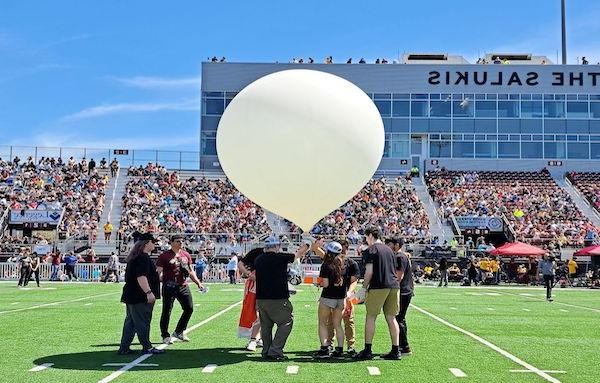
401	319
36	274
184	296
24	277
231	276
137	321
70	271
548	282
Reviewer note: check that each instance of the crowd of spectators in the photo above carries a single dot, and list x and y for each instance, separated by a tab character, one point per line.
588	183
156	200
53	184
538	209
393	206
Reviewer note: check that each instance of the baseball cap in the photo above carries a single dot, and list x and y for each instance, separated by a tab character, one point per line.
272	241
333	247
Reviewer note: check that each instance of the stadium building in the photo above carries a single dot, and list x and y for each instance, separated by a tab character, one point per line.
443	111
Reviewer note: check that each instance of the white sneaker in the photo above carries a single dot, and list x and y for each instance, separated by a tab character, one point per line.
259	343
182	337
251	346
167	340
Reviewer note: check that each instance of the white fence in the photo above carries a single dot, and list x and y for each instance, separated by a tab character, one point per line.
93	272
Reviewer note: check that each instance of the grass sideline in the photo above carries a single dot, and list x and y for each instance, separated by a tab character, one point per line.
81	333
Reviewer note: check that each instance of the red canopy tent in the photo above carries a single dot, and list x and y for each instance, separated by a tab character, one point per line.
590	250
518	249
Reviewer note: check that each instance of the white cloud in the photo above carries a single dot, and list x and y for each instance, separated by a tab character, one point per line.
110	109
144	82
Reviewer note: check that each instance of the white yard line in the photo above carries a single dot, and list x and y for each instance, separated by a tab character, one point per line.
293	370
526	310
142	358
457	372
209	369
548	371
374	371
41	367
556	303
563	310
490	345
56	303
124	364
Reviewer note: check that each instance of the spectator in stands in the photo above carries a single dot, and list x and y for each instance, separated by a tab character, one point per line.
114	167
103	163
497	60
584	61
362	61
91	166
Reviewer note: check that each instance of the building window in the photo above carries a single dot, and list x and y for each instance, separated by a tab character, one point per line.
419	108
441	108
554	149
485	126
463	149
595	109
508	150
400	109
532	150
595	150
509	126
463	108
485	109
485	149
578	150
554	109
577	110
385	108
439	149
213	106
463	126
531	109
509	109
441	125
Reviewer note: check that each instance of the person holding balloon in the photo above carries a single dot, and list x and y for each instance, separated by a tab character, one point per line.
272	296
249	324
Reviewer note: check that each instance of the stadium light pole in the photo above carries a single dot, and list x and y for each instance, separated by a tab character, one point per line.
564	32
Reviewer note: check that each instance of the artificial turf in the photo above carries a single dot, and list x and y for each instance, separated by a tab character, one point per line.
80	334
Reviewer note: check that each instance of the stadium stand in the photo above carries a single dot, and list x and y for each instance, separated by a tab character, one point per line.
52	183
588	183
537	208
394	206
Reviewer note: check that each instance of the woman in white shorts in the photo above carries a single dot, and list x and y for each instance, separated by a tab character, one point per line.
332	301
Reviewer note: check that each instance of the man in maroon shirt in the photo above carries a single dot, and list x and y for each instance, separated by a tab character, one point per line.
56	258
174	266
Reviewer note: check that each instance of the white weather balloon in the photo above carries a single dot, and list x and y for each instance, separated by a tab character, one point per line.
300	143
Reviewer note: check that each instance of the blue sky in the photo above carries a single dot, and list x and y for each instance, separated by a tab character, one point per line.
126	74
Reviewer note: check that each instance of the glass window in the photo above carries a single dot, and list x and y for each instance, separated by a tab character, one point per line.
491	96
503	97
485	109
548	97
463	149
463	108
209	146
400	109
485	126
400	149
503	137
385	108
439	149
594	127
583	97
382	96
549	137
525	97
595	109
212	94
554	149
419	125
514	137
578	126
401	96
571	137
434	96
513	96
492	137
419	96
584	137
508	109
531	109
578	150
468	137
209	123
387	124
571	97
419	108
485	149
441	108
554	109
595	150
531	126
480	97
213	106
536	96
400	125
532	150
577	109
559	96
464	126
555	126
440	125
446	136
480	137
434	136
386	149
510	126
508	150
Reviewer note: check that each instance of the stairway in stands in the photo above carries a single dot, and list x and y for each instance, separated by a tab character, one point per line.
579	200
111	213
437	226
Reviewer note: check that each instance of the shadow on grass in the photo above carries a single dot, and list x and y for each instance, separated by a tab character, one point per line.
172	359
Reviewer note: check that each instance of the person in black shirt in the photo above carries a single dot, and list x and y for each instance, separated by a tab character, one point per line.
272	296
333	297
405	276
246	268
443	268
142	288
383	288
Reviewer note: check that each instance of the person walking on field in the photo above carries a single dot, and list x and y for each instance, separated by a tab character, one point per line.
174	267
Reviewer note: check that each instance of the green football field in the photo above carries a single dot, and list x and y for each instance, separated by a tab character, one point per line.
479	334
